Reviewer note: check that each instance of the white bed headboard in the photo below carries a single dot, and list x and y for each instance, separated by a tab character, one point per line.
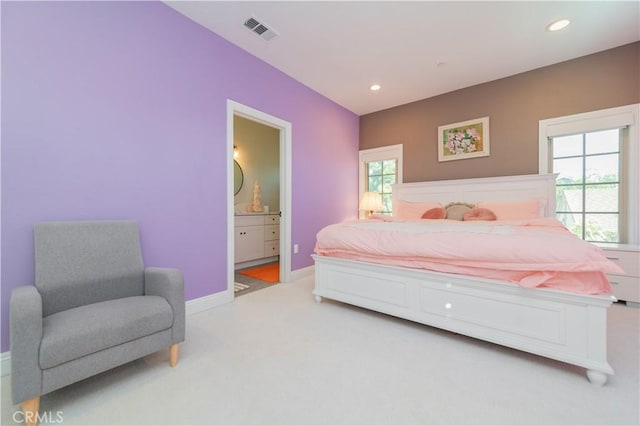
492	189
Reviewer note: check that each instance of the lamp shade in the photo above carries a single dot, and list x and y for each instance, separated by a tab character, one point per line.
371	201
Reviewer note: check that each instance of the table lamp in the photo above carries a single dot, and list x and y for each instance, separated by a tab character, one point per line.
371	201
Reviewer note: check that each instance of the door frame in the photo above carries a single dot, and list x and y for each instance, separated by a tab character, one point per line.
237	109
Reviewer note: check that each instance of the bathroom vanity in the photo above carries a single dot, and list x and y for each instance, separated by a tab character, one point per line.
257	238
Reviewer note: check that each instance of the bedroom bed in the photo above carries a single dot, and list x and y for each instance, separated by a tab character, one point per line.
568	326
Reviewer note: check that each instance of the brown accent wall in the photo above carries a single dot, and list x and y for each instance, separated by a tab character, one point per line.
514	105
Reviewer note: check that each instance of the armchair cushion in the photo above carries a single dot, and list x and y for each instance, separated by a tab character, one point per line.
81	331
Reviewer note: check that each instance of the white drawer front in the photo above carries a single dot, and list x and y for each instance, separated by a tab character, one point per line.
375	288
627	260
272	232
271	219
249	220
271	248
545	322
625	288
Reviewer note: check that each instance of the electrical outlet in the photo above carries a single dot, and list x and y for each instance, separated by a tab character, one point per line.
295	249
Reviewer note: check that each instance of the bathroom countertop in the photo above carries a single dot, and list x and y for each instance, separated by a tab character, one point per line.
252	213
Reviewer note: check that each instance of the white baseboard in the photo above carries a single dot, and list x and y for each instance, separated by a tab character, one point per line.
200	304
302	273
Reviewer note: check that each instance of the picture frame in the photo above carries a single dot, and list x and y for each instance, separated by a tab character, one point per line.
463	140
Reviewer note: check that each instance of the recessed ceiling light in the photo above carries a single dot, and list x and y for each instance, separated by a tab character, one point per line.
558	24
375	87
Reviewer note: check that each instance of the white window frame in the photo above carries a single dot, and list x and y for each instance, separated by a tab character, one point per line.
624	116
391	152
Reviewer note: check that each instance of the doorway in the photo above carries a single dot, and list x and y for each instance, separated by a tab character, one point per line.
235	112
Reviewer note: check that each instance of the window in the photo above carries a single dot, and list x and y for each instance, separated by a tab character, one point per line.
596	158
588	187
379	169
380	176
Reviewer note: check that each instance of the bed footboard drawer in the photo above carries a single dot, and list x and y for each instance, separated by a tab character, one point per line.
387	289
545	322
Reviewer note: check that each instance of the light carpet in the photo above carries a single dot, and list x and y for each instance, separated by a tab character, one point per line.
275	356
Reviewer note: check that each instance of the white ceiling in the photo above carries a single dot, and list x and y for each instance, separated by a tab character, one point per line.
416	49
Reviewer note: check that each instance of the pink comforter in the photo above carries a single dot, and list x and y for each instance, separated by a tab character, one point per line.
533	253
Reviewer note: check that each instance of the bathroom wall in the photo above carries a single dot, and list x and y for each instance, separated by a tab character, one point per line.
258	147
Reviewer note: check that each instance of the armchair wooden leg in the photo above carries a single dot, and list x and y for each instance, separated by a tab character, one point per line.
30	409
173	355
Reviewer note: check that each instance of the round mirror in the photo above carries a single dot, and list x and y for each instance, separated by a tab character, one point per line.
238	177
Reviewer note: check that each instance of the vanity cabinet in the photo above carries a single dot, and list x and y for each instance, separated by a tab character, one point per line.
271	235
257	236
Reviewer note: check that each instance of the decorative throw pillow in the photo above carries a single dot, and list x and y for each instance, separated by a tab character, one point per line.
435	213
456	211
478	213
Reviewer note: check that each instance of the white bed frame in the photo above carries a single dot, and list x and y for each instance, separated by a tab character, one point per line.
563	326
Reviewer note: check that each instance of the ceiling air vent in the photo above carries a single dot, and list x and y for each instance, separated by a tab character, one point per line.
260	29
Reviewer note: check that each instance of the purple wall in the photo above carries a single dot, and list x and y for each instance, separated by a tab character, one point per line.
118	110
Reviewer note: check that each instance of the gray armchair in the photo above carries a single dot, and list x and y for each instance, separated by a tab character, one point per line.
93	307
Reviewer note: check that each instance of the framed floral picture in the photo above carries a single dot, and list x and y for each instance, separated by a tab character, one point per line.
467	139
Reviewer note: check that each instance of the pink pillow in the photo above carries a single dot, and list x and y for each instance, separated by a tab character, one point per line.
407	210
518	210
478	213
435	213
